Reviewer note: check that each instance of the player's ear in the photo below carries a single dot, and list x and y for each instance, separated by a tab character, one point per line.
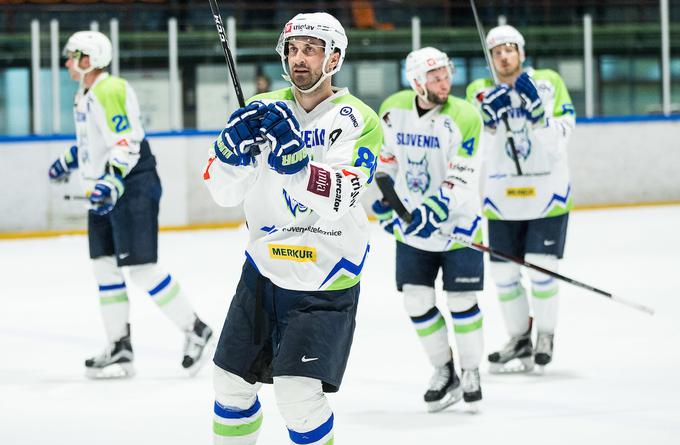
333	61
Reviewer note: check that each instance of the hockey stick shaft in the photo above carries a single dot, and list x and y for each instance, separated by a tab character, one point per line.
494	76
231	66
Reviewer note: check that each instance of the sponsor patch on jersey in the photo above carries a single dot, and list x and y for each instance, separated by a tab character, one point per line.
520	192
300	254
123	143
319	181
347	111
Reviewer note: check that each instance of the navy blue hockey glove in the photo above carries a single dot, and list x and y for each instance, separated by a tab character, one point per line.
61	168
108	189
427	218
242	131
385	215
282	130
495	105
531	102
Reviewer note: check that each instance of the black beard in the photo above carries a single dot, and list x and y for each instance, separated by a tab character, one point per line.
434	99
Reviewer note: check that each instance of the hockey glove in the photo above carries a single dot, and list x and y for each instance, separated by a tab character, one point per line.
495	105
530	100
281	128
61	168
385	215
106	192
242	131
427	218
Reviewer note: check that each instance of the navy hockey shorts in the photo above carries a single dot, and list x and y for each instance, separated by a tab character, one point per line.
130	230
544	236
462	269
271	332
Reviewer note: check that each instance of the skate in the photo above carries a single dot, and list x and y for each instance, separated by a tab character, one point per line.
114	363
544	349
515	357
195	345
445	388
472	391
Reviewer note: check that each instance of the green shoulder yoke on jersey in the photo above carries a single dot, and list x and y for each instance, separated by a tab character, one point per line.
466	117
111	94
563	104
282	94
403	100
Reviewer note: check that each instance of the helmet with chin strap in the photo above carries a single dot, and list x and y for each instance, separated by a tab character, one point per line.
319	25
93	44
422	61
503	35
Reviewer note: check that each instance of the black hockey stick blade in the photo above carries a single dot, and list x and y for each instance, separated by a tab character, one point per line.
386	187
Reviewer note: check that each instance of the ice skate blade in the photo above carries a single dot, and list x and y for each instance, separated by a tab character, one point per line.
114	371
208	352
515	366
449	399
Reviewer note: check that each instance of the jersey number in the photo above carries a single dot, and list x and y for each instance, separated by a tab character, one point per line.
121	122
366	159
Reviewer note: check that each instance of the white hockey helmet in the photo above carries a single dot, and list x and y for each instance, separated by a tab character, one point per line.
422	61
319	25
504	34
93	44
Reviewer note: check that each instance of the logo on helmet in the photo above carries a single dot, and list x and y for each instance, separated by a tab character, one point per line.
288	27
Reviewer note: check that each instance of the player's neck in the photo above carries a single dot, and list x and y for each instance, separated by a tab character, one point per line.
90	78
309	101
423	104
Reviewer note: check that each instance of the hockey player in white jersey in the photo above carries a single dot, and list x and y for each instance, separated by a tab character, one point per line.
117	170
292	319
431	151
527	199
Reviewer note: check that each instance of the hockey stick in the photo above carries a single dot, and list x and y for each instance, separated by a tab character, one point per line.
494	76
390	195
231	66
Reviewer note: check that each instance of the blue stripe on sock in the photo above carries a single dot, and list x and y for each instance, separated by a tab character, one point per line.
466	314
106	287
314	435
427	316
227	413
542	283
162	285
513	284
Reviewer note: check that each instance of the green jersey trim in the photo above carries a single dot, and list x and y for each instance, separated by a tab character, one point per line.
111	94
468	121
282	94
403	100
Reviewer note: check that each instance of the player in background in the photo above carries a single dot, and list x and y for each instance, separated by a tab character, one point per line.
431	151
527	213
292	319
118	174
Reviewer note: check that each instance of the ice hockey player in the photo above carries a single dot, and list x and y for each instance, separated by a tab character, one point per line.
431	151
527	212
292	318
118	174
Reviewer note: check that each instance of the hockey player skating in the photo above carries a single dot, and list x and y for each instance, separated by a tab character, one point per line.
118	174
430	150
292	318
527	213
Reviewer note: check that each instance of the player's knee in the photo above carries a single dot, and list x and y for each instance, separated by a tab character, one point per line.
549	262
146	276
461	301
418	299
301	402
232	391
106	270
505	273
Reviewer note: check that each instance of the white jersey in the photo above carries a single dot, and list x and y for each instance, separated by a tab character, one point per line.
308	230
108	128
543	190
434	154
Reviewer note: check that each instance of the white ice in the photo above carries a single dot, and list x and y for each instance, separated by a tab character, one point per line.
614	379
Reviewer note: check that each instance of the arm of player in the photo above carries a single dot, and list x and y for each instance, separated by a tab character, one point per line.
333	187
555	133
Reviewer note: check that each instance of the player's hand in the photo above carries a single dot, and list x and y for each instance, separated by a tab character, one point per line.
242	131
385	215
531	101
62	167
108	189
495	105
282	130
428	217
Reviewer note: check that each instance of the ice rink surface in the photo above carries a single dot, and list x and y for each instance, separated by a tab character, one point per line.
614	379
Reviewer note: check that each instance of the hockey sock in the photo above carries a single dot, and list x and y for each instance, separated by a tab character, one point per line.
304	406
166	293
113	298
467	327
544	292
428	322
512	297
237	411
